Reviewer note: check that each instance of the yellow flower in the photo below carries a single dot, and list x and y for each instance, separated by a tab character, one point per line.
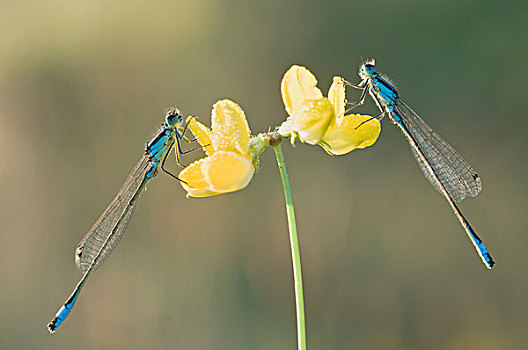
315	119
230	161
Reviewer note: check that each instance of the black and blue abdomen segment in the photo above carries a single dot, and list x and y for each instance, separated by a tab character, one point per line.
64	311
483	251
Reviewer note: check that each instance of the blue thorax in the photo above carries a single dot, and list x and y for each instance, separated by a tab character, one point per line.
163	141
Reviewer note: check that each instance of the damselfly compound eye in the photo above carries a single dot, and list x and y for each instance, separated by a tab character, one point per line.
173	117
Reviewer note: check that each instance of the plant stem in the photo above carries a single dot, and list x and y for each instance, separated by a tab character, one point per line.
294	243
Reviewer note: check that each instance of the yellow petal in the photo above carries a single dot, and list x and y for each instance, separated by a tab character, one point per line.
313	119
297	86
227	171
195	183
336	95
286	128
343	137
202	133
230	128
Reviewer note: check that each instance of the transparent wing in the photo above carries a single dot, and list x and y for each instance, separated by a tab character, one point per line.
457	176
113	222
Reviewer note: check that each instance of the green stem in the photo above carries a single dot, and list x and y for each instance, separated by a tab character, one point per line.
294	242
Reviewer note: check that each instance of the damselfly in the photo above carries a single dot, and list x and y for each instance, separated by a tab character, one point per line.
105	234
447	171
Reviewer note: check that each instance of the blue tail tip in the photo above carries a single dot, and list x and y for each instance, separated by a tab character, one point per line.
489	261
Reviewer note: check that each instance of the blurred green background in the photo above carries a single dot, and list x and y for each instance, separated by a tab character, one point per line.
84	85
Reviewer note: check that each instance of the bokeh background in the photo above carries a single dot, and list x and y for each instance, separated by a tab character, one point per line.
84	85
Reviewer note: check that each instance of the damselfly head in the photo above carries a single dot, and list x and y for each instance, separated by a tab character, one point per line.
367	69
173	117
